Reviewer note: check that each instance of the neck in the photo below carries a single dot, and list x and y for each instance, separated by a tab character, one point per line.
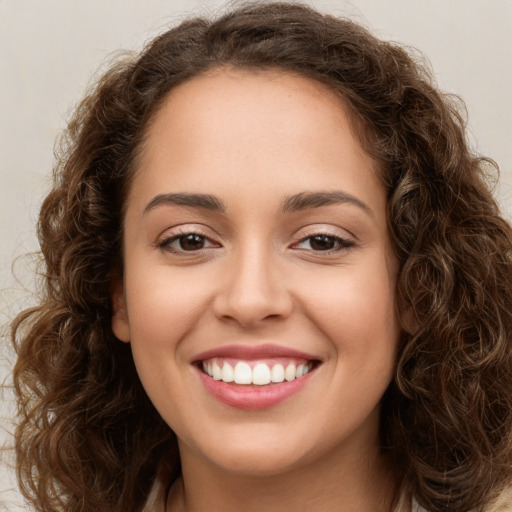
364	482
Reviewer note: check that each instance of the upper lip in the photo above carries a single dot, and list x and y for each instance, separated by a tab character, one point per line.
252	352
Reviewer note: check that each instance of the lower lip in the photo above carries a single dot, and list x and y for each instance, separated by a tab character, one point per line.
251	397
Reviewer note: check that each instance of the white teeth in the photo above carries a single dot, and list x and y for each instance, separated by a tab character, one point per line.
227	373
289	373
277	373
260	375
216	371
243	373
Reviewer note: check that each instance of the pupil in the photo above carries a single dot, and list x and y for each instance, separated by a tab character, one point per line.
191	242
322	243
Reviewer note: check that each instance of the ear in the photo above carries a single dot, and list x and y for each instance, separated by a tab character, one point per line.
120	322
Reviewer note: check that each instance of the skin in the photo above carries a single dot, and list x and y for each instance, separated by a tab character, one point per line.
252	140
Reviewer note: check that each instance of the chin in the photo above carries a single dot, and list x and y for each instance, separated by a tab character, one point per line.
257	457
259	464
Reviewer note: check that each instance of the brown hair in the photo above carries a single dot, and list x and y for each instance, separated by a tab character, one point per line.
89	439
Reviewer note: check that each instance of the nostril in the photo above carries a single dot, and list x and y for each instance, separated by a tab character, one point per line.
252	290
252	309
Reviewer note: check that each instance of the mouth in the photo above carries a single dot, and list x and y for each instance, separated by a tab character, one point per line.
254	378
256	372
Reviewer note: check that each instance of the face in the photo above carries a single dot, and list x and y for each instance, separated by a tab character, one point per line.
258	290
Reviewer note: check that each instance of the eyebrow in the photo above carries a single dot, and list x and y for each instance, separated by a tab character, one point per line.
307	200
295	203
206	201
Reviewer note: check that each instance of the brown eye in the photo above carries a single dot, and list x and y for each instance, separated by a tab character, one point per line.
322	242
186	242
191	242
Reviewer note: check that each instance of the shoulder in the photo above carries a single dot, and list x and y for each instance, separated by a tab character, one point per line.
503	503
158	493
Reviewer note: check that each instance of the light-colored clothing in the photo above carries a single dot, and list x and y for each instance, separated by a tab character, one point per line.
502	504
157	498
416	508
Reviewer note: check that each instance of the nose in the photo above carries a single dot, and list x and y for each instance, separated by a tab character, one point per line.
253	291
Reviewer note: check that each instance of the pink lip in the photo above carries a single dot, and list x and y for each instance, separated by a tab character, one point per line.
251	397
254	352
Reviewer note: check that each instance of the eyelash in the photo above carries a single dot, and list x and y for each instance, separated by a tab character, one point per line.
342	243
165	244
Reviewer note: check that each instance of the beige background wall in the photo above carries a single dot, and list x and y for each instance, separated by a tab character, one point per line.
50	49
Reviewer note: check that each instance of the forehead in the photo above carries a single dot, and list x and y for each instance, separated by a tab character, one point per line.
252	100
268	125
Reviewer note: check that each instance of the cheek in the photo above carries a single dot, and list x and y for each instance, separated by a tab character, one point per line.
164	307
355	303
355	312
164	304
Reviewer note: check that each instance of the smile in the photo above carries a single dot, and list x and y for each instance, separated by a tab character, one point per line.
254	377
258	373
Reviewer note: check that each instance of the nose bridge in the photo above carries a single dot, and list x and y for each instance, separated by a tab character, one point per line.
253	287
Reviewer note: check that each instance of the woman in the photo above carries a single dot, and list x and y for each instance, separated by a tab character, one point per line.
275	277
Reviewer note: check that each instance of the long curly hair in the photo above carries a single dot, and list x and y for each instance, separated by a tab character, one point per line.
89	439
